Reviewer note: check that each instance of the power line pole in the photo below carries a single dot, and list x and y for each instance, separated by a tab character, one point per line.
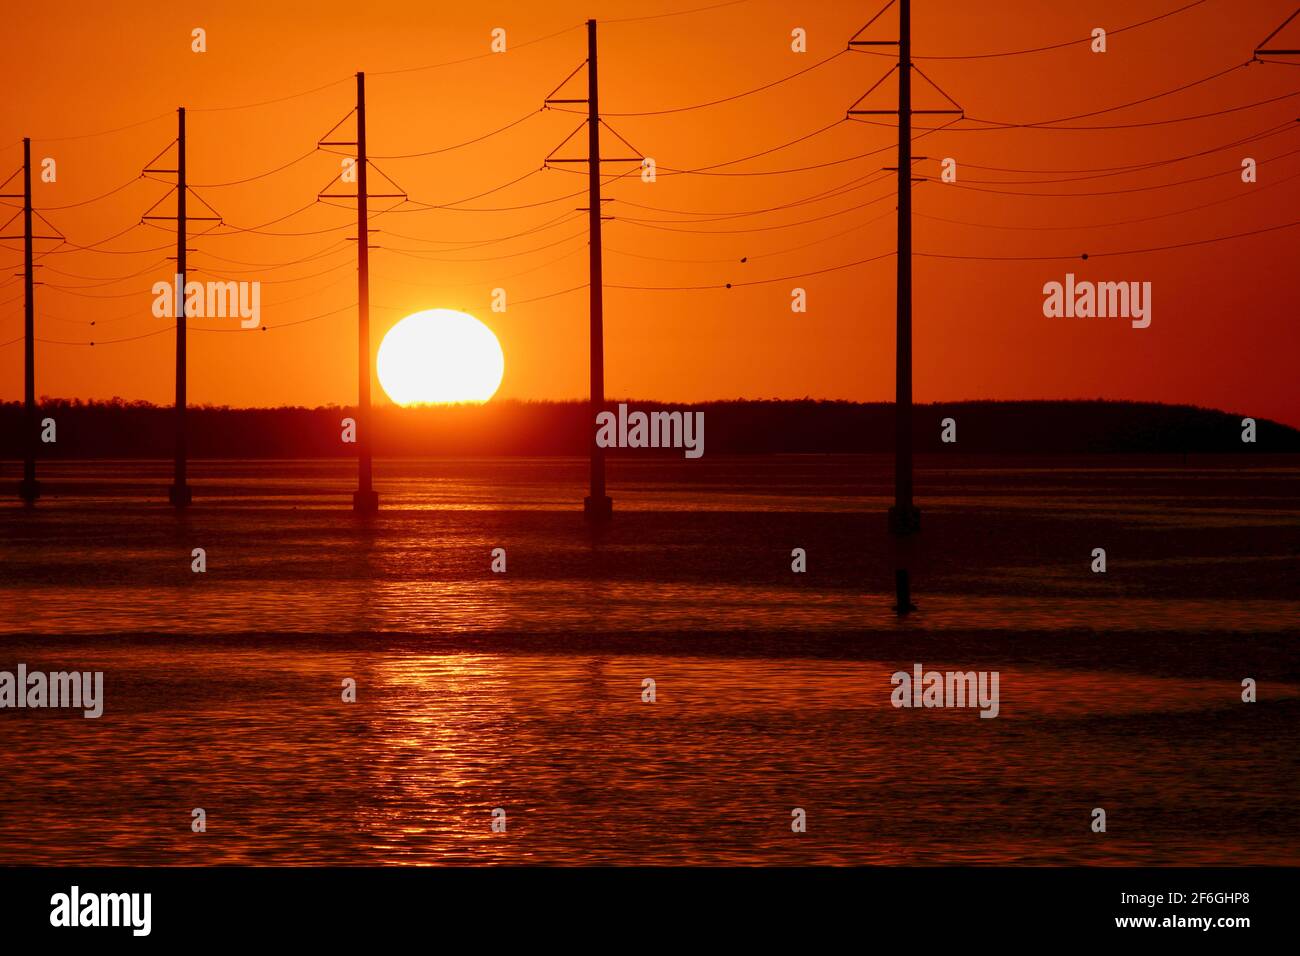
598	506
904	516
179	494
29	490
365	499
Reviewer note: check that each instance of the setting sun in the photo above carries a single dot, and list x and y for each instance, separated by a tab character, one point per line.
440	355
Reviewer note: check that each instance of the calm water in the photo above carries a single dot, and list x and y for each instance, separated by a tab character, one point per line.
523	691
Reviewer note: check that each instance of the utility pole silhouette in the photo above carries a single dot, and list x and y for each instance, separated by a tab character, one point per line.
29	489
904	516
365	499
597	506
179	494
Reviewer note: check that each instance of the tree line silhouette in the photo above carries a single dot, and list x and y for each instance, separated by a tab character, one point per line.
121	429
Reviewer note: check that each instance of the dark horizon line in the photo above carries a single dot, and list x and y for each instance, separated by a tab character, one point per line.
512	427
118	401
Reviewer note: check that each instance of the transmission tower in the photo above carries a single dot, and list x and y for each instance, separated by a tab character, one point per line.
597	506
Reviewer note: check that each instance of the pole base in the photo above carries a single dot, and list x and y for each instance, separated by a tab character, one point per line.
29	490
903	592
180	496
905	520
599	508
365	501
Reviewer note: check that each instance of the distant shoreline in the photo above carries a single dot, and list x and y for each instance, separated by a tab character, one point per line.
140	430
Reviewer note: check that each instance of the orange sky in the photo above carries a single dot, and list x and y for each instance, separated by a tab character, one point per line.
1223	330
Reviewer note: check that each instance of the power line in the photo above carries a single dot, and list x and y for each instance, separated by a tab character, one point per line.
425	207
677	13
314	318
1121	106
842	189
711	170
332	249
1116	192
495	280
278	99
86	202
751	282
287	97
1051	46
762	255
105	132
93	247
774	149
814	272
314	275
1118	252
259	229
550	295
480	56
469	142
194	328
106	280
75	290
1103	171
456	204
310	292
1259	47
249	179
1121	222
421	253
656	224
474	244
999	126
733	97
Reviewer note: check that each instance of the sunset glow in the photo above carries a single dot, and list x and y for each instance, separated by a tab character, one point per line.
889	519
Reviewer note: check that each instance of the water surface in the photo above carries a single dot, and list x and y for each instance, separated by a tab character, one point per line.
524	690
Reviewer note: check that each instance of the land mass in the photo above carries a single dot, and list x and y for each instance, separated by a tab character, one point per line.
120	429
